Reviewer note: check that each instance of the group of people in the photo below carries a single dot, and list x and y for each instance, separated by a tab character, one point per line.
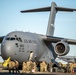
29	66
13	66
33	66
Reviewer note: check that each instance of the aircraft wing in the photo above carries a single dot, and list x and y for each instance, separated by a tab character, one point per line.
1	38
0	50
68	58
57	39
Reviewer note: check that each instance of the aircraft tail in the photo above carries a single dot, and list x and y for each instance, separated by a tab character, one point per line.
53	10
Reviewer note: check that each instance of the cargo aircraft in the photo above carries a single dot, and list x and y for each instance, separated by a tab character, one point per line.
24	46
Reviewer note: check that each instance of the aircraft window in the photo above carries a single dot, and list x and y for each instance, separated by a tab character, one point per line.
17	39
15	35
12	39
7	38
20	40
16	44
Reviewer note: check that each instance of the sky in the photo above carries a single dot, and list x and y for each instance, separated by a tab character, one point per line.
12	20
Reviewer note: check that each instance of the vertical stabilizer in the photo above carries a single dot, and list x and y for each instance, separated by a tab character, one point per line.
50	28
53	10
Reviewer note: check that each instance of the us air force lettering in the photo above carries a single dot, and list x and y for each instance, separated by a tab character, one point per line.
24	46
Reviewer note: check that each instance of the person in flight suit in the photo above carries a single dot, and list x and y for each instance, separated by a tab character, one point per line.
24	67
43	66
28	65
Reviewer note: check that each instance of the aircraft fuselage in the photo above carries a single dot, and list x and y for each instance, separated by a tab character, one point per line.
18	46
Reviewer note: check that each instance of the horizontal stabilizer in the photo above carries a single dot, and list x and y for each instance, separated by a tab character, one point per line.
48	9
37	10
65	9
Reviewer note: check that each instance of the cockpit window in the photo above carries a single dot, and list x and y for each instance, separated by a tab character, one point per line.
8	38
20	39
12	38
15	35
17	39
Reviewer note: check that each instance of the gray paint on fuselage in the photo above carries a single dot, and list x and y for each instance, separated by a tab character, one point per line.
30	42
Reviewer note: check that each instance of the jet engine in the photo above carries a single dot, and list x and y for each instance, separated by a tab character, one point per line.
61	48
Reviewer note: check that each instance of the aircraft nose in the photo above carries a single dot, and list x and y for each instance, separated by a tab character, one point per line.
5	50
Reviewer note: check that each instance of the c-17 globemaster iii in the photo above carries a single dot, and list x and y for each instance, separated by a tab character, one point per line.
24	46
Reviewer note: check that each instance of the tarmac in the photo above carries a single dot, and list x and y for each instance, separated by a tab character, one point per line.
6	72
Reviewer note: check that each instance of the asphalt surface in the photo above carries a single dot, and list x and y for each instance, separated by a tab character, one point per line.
36	73
6	72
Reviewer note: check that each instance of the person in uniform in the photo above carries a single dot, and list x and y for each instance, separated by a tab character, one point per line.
43	66
51	67
68	67
28	65
32	67
24	67
35	66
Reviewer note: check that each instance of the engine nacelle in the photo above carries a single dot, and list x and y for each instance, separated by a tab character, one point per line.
61	48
